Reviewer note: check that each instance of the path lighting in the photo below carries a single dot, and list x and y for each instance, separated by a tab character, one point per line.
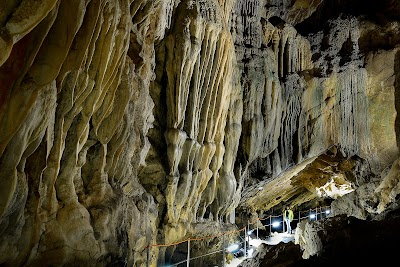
232	248
250	252
276	224
244	247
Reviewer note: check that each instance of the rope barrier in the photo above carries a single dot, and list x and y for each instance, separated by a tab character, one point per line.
194	239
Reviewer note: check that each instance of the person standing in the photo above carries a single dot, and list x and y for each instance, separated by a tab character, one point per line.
288	218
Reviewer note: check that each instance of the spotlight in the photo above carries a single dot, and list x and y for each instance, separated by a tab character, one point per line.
327	211
276	224
249	232
232	248
312	216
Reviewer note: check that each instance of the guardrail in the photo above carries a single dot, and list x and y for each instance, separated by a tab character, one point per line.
188	259
311	215
273	222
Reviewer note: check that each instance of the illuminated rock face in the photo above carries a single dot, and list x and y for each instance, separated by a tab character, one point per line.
75	112
132	122
327	118
314	112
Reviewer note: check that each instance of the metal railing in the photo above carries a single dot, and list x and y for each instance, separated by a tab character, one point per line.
189	240
274	221
311	214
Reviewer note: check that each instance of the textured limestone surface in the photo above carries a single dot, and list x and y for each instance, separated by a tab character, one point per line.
75	112
125	123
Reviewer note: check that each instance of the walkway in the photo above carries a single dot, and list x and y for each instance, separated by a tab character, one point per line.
274	239
273	224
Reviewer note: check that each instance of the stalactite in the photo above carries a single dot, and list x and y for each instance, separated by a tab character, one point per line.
198	102
272	106
352	111
294	51
247	15
292	94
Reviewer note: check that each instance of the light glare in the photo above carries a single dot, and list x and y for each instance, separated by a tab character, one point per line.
276	224
233	247
312	216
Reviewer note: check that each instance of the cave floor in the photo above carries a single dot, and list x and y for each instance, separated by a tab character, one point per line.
274	239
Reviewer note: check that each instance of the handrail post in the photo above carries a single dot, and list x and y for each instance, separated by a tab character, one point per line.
188	254
248	236
223	251
257	227
270	223
248	229
245	247
148	256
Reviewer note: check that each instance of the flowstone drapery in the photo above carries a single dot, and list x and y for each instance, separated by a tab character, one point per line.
201	96
136	122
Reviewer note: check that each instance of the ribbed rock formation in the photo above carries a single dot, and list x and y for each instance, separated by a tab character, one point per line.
328	112
134	122
75	111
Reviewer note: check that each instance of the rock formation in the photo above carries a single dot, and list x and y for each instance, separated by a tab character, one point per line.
127	123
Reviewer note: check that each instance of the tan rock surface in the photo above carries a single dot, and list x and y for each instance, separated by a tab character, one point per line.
134	122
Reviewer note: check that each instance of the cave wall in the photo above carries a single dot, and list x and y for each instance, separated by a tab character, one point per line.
337	110
131	122
75	112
